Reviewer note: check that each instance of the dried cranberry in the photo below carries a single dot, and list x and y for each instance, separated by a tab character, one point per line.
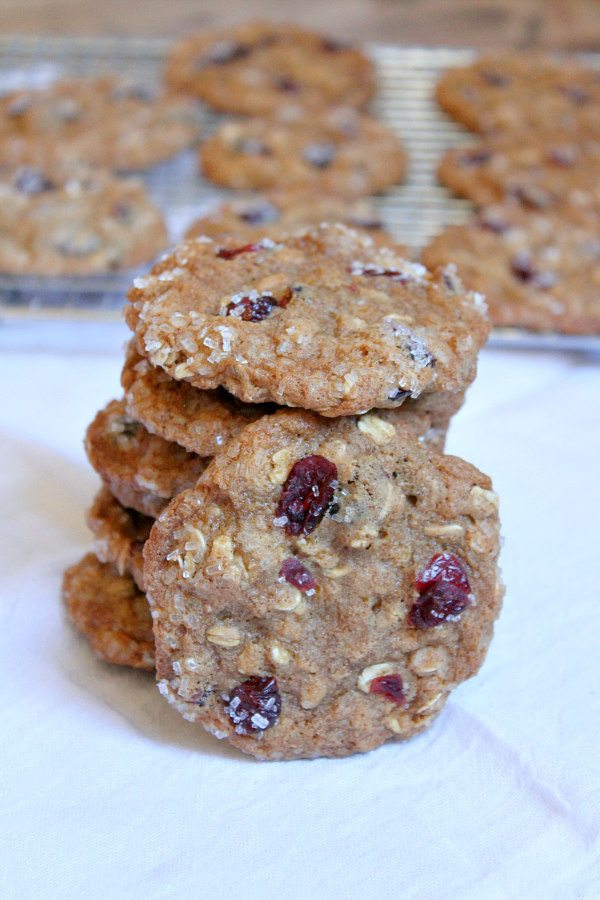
493	222
442	602
307	494
371	271
32	181
390	687
296	574
252	146
576	94
287	85
259	214
332	46
565	157
494	79
444	592
521	266
367	224
224	253
442	567
474	158
254	705
252	307
319	155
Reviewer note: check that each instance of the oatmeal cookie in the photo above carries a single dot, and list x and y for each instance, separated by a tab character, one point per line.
259	67
141	470
119	535
339	152
538	270
537	170
252	218
201	421
205	421
100	121
322	320
511	92
323	587
111	612
61	221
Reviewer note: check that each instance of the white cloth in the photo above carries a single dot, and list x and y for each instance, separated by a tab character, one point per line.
107	793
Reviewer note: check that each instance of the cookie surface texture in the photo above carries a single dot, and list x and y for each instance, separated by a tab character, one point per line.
322	320
324	586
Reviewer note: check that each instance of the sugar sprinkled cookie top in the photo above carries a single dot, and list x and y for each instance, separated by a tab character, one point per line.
323	320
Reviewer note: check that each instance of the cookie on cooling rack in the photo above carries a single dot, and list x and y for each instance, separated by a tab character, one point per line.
323	587
539	170
252	218
99	121
323	320
538	270
110	611
58	220
259	67
141	470
511	92
338	152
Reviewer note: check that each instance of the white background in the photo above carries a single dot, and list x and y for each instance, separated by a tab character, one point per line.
106	793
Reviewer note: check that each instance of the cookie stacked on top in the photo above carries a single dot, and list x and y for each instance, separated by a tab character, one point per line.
320	576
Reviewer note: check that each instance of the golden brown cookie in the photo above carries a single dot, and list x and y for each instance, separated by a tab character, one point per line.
61	220
252	218
98	121
141	470
323	587
109	610
338	152
538	170
119	535
205	421
259	67
322	320
538	270
514	91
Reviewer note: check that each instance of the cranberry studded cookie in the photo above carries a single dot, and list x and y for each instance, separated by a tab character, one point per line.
57	221
109	610
323	320
141	470
101	122
510	92
119	535
252	218
323	587
338	152
538	270
538	170
258	68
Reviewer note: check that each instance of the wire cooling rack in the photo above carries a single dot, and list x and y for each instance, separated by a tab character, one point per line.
413	212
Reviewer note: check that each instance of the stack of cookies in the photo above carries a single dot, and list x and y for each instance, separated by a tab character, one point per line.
533	246
279	532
